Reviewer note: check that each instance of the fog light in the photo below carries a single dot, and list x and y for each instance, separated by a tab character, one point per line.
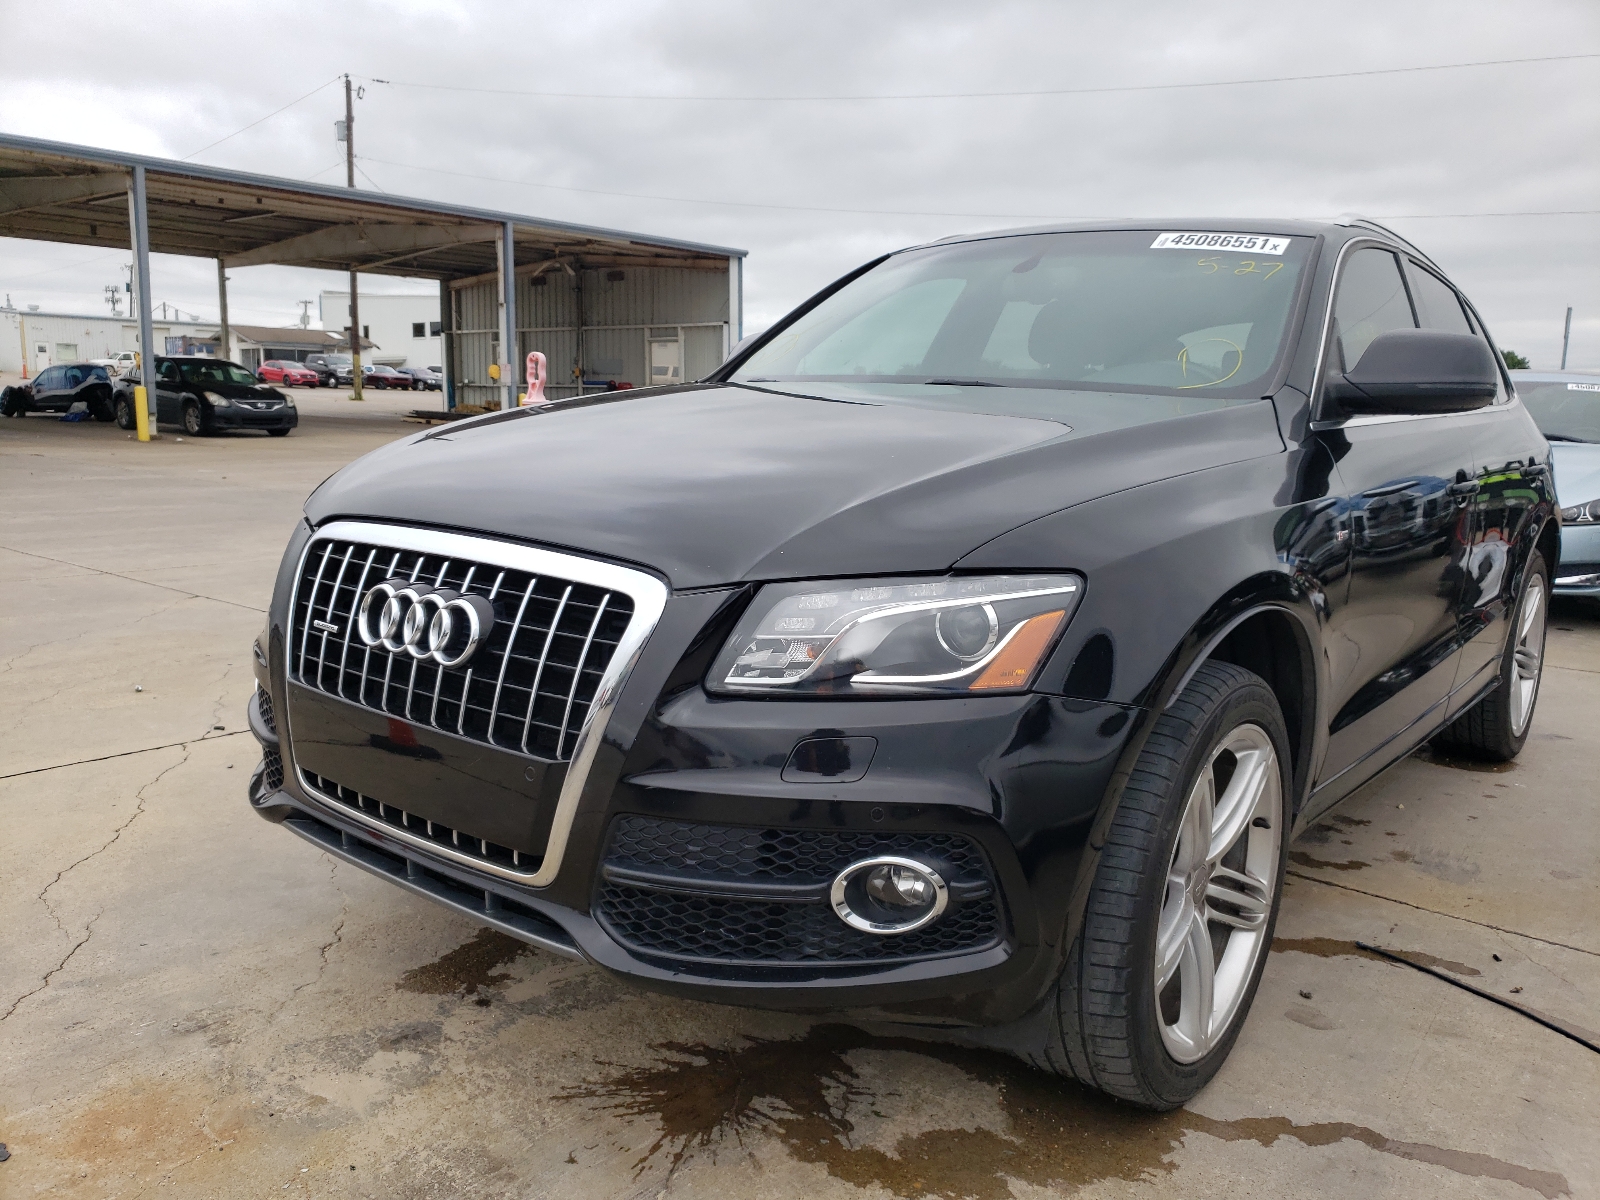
888	895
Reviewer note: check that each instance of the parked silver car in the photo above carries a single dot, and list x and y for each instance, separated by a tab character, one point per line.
1566	405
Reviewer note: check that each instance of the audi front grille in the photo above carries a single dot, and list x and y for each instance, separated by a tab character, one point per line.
527	687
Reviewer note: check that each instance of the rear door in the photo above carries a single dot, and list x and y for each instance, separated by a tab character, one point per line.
1394	638
1503	505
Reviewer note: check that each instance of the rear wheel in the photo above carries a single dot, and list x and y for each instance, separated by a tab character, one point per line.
194	421
1183	903
100	407
1496	728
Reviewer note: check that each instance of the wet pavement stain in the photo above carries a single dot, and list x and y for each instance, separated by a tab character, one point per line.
1301	859
466	968
1350	822
799	1092
1336	948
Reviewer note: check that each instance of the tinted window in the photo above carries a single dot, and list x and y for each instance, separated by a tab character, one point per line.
100	374
215	372
167	371
46	379
1437	303
1105	311
1564	411
74	376
1372	300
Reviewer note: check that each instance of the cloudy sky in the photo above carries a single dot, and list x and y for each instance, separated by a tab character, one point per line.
722	151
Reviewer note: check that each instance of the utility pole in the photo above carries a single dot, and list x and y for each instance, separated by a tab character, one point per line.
1566	337
350	181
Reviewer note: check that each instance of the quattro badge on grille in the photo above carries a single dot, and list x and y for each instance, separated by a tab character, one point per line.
425	622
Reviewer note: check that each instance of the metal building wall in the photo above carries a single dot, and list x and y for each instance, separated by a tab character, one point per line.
610	341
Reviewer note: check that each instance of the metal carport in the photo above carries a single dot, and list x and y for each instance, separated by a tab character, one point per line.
595	301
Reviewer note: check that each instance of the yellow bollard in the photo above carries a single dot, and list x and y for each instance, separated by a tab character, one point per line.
141	412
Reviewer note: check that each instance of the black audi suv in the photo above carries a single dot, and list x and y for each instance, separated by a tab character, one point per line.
964	652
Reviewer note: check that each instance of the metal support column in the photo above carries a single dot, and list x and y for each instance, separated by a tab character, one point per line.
139	225
735	302
224	337
447	345
355	338
506	254
1566	337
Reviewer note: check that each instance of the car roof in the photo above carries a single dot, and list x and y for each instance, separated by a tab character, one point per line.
1344	227
1533	376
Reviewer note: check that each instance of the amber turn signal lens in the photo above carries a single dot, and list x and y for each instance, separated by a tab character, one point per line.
1014	666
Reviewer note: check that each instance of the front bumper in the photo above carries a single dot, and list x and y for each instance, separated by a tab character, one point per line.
1005	788
237	417
1578	572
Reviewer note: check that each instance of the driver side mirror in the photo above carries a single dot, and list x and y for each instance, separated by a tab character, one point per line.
1415	372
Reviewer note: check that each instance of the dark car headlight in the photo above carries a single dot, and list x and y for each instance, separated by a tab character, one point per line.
896	636
1581	514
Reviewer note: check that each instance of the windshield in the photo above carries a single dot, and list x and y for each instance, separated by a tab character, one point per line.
215	372
1564	411
337	360
1123	311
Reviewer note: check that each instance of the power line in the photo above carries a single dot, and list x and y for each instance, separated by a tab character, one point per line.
888	212
268	117
1078	91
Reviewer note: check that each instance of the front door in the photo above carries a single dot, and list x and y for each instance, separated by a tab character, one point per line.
1394	639
169	388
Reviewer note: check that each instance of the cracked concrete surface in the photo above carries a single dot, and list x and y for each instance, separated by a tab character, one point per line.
196	1004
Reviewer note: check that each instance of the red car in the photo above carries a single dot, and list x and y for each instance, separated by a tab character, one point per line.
289	374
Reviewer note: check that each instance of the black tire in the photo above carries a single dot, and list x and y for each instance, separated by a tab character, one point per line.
278	432
1489	730
12	403
194	419
123	411
101	408
1101	1023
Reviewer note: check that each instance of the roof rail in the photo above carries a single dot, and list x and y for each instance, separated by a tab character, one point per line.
1351	219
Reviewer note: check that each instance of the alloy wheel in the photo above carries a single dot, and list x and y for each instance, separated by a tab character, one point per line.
1219	894
1528	656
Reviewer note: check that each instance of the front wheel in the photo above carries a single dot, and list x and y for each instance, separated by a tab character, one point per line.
194	421
278	432
1184	900
1496	728
12	404
125	415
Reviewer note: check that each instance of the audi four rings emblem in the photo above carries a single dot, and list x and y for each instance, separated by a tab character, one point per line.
425	622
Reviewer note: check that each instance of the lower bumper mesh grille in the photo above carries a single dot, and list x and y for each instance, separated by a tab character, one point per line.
457	840
668	887
272	776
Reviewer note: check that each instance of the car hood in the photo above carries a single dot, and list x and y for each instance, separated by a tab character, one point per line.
239	391
1577	469
715	484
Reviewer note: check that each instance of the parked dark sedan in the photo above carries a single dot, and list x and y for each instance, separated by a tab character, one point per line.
56	389
385	377
965	651
423	378
207	395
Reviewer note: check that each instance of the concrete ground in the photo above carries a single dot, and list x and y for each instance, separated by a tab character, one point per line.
194	1003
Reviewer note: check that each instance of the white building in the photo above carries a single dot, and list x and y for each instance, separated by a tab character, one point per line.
404	330
50	337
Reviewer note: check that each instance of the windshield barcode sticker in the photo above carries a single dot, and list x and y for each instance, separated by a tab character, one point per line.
1256	243
1583	387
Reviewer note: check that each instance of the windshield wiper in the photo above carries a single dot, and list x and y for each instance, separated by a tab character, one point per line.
1567	437
963	382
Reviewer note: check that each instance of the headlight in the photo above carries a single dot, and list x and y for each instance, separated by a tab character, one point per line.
288	401
1582	513
896	637
219	401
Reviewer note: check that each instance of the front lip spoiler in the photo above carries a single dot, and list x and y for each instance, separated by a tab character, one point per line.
483	906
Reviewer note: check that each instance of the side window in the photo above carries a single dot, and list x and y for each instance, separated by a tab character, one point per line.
167	372
74	376
1371	300
46	380
1437	303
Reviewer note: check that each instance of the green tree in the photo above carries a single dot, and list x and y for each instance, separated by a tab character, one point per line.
1515	361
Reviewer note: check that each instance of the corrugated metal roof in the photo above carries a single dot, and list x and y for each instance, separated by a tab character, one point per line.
54	191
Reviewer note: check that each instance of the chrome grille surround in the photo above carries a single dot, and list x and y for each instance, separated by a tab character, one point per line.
647	593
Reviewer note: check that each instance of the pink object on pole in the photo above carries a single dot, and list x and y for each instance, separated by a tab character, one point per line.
536	375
